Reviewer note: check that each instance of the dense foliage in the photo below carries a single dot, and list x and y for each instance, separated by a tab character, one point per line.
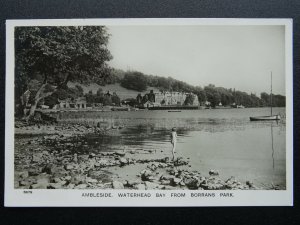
68	92
189	100
55	55
135	81
215	95
103	98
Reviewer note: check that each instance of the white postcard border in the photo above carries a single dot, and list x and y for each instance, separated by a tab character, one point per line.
22	198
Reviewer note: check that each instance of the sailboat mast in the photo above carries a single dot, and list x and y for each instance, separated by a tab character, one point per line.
271	94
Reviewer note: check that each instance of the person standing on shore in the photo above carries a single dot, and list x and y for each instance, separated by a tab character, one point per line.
173	141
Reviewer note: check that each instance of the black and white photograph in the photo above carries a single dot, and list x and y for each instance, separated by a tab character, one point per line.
127	108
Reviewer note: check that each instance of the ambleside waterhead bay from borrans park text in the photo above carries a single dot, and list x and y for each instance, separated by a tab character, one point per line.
150	107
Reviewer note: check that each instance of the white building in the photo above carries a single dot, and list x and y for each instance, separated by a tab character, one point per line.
173	98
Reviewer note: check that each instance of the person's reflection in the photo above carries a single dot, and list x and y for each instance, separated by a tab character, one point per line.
272	145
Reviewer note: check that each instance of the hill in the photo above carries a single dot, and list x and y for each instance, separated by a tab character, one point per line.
130	83
122	92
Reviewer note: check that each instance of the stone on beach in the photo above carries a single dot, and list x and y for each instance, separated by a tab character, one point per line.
146	175
92	155
213	183
103	162
123	161
81	186
78	179
37	158
165	182
151	185
166	177
45	152
191	183
117	185
33	172
24	183
175	181
55	186
153	166
213	173
56	180
47	169
140	187
67	178
23	174
250	184
39	186
130	183
91	180
120	153
75	158
68	167
70	186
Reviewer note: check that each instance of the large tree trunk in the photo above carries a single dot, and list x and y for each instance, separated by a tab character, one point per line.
32	111
41	93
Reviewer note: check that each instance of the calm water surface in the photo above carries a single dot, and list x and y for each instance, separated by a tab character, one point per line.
222	139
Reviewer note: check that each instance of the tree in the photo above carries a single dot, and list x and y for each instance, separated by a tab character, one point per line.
265	98
189	100
200	93
279	100
164	84
107	100
99	91
56	55
212	95
139	98
134	81
115	99
90	97
79	90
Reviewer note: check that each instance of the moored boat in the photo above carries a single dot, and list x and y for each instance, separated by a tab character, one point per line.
261	118
271	117
120	109
171	108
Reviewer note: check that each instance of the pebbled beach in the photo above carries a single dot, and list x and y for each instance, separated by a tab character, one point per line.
48	157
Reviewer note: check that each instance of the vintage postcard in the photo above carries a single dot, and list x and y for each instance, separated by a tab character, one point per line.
149	112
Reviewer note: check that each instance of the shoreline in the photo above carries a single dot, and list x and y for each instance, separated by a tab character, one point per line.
48	161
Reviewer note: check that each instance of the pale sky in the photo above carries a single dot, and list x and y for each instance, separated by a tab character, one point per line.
240	57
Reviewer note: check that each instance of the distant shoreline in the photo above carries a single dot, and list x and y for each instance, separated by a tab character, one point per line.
109	109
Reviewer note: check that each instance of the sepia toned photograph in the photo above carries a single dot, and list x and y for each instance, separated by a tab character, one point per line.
150	107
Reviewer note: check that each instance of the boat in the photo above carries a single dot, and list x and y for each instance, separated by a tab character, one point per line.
265	118
261	118
172	108
120	109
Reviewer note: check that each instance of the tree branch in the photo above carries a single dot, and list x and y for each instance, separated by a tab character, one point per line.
65	82
45	79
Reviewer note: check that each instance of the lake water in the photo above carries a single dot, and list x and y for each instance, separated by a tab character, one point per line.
220	139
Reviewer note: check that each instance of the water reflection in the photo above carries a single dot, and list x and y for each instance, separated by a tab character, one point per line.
272	145
225	141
